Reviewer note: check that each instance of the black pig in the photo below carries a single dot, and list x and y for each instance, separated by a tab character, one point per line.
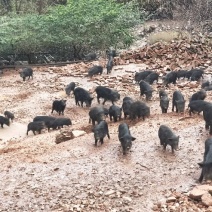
142	75
107	94
167	137
152	77
4	120
171	77
70	87
205	84
109	65
36	126
125	137
178	102
90	56
111	53
100	131
9	115
60	122
96	114
127	101
197	105
95	70
26	72
207	115
199	95
164	103
139	109
206	165
181	74
145	88
46	119
81	95
196	74
115	112
162	92
106	111
59	106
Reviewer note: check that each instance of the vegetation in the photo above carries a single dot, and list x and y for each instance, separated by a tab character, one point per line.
191	10
69	30
27	6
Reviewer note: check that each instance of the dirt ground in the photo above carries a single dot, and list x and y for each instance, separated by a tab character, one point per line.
39	175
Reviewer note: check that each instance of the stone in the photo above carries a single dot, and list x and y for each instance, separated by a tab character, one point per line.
171	199
205	187
155	208
209	209
110	192
197	193
77	133
210	190
65	135
61	138
127	199
193	84
172	208
206	199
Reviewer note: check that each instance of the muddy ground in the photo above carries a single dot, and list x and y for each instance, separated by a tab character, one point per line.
39	175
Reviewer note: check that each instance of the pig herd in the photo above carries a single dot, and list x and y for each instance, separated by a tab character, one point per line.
130	108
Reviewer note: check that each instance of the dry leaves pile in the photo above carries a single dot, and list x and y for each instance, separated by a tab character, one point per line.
174	55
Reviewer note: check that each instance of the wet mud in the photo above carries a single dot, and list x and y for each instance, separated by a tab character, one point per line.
39	175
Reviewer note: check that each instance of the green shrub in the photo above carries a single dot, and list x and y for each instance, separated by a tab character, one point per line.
81	25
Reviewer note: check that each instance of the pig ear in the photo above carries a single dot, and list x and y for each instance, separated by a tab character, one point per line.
121	139
133	138
200	164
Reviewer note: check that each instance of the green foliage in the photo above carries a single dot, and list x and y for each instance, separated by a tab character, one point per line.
82	24
27	6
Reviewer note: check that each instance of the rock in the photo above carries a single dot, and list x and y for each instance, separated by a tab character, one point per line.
159	204
178	195
210	190
110	192
206	199
197	193
155	208
171	199
65	207
193	84
63	136
127	199
172	208
205	187
209	209
77	133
